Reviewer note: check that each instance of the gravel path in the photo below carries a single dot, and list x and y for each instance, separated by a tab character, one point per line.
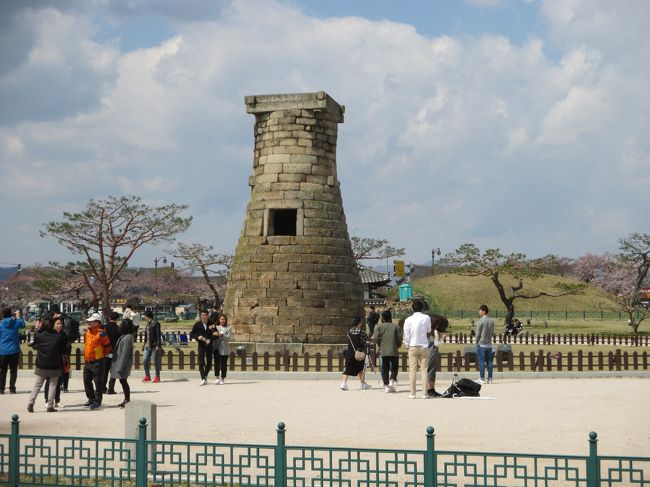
521	415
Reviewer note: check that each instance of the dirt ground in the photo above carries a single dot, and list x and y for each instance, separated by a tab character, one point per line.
514	415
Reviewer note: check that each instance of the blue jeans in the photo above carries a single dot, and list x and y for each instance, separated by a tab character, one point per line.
147	361
484	356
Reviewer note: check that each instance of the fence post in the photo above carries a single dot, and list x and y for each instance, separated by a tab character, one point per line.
141	455
14	451
280	458
430	462
593	463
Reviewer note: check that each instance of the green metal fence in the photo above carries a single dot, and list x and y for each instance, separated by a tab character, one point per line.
51	461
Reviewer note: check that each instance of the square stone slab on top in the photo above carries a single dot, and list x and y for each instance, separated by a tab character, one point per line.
292	101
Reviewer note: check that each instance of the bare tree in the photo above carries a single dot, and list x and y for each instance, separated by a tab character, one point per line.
495	265
199	257
373	248
107	233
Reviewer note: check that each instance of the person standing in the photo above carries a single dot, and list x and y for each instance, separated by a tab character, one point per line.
439	324
9	348
357	339
71	331
416	330
221	335
203	336
152	346
388	337
49	345
484	334
95	341
123	358
65	362
372	319
113	332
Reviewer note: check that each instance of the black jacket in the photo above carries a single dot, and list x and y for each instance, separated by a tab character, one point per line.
113	332
50	347
152	334
199	331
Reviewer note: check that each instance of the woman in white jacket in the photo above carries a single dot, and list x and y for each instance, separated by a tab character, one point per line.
220	349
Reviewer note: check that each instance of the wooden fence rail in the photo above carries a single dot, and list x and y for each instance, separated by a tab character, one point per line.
521	339
539	361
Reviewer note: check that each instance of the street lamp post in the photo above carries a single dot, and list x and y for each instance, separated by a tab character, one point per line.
155	263
433	255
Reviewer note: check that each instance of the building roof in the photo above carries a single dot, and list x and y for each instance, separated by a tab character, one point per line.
368	276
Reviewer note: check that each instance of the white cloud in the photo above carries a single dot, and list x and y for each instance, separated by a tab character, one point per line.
446	139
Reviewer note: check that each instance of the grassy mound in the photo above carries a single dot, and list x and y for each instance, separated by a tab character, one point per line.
455	292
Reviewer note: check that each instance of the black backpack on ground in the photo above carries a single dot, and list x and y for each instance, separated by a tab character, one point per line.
462	388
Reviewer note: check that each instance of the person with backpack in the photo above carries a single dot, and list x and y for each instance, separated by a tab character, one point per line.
484	334
388	337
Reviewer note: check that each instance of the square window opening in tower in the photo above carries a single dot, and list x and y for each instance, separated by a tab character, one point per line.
283	222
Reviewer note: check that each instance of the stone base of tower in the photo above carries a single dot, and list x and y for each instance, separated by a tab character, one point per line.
309	295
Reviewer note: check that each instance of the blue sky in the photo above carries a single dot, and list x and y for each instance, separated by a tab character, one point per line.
520	125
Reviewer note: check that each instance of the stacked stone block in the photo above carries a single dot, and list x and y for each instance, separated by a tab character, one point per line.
303	284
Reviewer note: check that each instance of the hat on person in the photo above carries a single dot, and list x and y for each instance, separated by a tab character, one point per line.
94	317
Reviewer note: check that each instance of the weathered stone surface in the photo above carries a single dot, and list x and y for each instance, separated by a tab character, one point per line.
303	287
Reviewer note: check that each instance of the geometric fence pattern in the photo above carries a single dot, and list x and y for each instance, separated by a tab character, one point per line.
60	461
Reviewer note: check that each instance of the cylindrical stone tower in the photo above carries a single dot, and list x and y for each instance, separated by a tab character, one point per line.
294	277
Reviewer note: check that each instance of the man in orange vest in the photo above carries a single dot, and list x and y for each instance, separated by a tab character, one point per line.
95	342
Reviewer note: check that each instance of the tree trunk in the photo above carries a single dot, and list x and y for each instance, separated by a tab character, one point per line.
106	303
217	300
510	311
508	302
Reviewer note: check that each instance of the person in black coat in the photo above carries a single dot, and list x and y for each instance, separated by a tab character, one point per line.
50	347
202	333
65	363
152	346
113	331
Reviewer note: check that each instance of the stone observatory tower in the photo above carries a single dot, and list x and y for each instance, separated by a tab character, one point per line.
294	278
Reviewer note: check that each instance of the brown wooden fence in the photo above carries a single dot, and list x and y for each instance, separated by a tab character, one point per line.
522	339
539	361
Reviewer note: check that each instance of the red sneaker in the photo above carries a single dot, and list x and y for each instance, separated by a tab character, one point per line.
156	379
146	379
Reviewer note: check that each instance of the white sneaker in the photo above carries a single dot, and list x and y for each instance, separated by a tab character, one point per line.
203	382
481	381
489	381
365	387
424	396
412	396
59	405
392	384
388	389
217	381
343	386
222	381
